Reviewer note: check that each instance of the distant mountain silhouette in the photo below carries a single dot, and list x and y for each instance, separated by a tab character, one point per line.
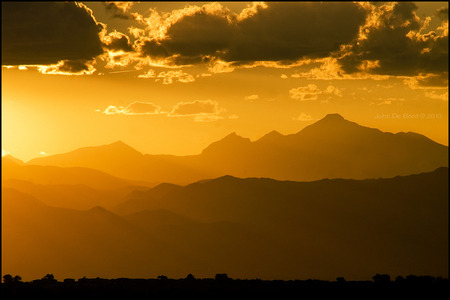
70	243
59	175
330	148
9	157
74	196
247	228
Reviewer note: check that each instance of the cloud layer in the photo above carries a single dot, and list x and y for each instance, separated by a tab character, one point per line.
44	33
395	42
273	32
199	110
340	40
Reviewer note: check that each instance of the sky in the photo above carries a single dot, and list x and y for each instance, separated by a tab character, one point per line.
173	77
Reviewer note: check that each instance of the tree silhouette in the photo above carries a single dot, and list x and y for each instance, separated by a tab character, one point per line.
340	279
190	277
222	277
381	278
7	279
49	278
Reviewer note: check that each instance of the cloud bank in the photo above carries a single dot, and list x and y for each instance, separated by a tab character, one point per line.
340	40
45	33
199	110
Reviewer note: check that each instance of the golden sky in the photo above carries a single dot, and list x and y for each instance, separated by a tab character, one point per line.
171	78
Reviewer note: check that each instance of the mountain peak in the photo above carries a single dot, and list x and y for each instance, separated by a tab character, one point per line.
230	143
335	127
272	136
120	146
333	117
233	135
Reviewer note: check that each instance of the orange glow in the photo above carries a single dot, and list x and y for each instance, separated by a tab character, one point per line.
267	140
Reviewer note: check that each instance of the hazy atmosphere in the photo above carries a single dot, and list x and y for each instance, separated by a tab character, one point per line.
171	78
256	140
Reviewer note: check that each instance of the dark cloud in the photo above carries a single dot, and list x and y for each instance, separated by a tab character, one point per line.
290	31
434	81
74	66
117	10
117	41
281	32
192	37
397	47
43	33
442	13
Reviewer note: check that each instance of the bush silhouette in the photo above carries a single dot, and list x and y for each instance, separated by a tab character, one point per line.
49	278
190	277
8	279
222	277
381	278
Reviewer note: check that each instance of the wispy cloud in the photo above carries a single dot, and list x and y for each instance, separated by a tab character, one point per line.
303	117
251	97
135	108
312	92
196	108
169	77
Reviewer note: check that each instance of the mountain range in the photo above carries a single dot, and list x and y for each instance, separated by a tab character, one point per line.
247	228
335	199
330	148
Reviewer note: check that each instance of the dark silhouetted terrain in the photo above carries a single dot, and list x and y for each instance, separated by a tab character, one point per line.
247	228
65	176
75	196
224	287
330	148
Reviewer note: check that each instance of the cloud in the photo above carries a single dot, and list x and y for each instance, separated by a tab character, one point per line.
169	77
442	13
388	101
394	42
429	81
251	97
303	117
279	32
199	110
304	93
433	95
291	31
332	90
119	9
207	118
117	41
312	92
149	74
197	107
135	108
68	67
45	33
